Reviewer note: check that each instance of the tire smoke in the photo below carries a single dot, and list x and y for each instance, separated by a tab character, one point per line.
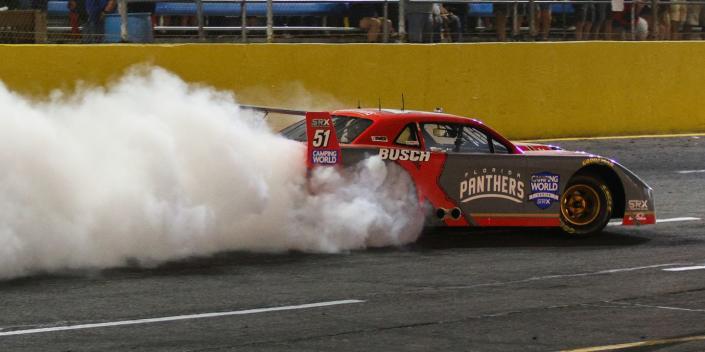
151	169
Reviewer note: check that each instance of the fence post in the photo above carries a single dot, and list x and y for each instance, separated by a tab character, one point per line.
402	20
243	19
634	19
199	19
516	30
40	27
532	18
122	10
385	28
656	21
270	22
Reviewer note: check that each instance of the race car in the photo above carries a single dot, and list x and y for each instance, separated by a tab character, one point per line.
473	176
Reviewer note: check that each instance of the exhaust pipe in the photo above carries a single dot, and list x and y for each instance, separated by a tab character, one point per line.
454	213
441	213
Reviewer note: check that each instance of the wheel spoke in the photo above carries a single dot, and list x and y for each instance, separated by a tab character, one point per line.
580	204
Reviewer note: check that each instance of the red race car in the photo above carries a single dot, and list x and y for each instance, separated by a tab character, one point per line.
472	176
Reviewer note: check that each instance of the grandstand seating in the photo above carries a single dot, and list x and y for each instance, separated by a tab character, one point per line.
485	9
253	9
480	10
57	8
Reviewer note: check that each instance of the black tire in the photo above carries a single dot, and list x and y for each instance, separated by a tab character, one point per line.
586	206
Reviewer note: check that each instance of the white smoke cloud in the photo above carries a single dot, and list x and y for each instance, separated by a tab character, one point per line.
154	169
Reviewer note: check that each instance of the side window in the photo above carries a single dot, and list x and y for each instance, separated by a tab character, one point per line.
475	141
408	136
498	147
455	138
349	128
440	137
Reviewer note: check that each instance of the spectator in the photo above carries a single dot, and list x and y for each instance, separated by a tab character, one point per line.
544	21
77	15
449	25
602	10
420	21
459	10
622	21
501	11
679	13
663	22
694	19
367	16
585	17
94	27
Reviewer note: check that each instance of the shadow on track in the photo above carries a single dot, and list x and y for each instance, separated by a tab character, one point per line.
214	265
430	241
507	238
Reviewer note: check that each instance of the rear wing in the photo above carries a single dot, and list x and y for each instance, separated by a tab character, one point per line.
322	147
267	110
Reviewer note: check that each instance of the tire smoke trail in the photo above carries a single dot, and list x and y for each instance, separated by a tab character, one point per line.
152	169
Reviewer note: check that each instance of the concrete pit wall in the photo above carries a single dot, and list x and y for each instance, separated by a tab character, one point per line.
524	90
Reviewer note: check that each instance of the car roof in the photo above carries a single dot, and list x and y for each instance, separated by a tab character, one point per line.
383	118
404	115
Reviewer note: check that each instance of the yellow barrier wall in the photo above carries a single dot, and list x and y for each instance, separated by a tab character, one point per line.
524	90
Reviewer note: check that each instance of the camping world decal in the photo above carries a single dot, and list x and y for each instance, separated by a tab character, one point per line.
544	189
492	183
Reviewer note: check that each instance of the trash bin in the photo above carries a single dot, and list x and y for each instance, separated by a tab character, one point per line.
139	28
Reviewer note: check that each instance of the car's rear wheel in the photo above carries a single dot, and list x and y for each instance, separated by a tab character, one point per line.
586	206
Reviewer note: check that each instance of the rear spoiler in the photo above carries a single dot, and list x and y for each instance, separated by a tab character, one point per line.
322	144
267	110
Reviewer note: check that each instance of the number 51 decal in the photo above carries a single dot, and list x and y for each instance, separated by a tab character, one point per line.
320	138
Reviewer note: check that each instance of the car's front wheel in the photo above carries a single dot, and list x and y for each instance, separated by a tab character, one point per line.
586	206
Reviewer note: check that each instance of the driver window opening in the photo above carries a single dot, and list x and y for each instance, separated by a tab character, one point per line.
455	138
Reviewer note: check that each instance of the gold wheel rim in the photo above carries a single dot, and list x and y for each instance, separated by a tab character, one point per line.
580	204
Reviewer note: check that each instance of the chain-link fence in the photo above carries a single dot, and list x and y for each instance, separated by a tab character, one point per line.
429	21
23	26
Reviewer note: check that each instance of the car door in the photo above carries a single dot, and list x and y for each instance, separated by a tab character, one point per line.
486	181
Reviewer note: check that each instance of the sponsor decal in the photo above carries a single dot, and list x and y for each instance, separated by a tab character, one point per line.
638	205
404	154
492	183
544	189
324	156
600	161
532	148
637	217
317	123
379	138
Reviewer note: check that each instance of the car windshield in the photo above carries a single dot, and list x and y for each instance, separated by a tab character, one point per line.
346	128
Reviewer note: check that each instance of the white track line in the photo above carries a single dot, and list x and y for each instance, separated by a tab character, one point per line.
564	276
658	221
686	268
177	317
677	219
691	171
656	307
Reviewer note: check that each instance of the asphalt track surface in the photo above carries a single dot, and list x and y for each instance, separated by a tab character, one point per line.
484	291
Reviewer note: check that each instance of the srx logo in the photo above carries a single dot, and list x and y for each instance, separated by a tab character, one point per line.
320	123
638	204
